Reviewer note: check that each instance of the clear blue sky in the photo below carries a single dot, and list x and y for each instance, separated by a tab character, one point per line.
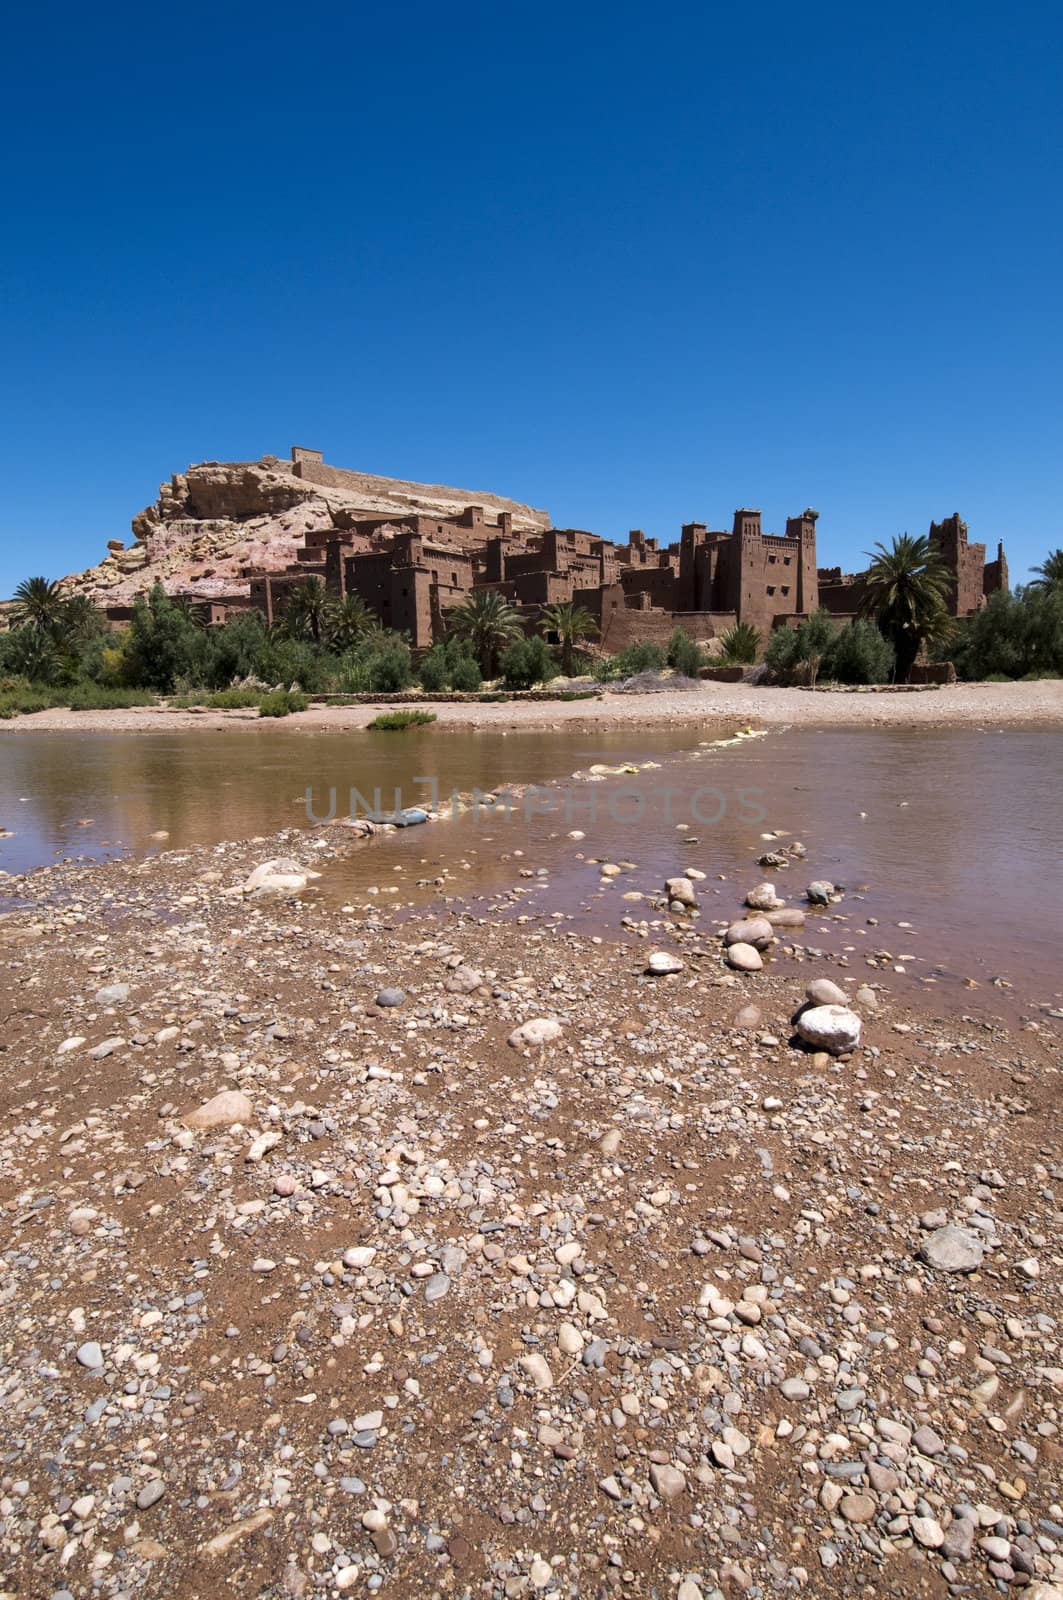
636	264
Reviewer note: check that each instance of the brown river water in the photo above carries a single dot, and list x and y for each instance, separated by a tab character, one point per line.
949	839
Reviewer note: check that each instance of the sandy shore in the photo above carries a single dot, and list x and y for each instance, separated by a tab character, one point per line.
665	1307
996	704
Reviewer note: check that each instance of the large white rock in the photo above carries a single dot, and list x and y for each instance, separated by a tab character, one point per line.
756	931
280	876
680	890
833	1028
662	962
540	1031
221	1111
763	898
743	958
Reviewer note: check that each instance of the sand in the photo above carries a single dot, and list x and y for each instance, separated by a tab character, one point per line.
996	704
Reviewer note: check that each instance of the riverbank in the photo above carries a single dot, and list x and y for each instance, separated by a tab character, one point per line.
644	1310
1000	704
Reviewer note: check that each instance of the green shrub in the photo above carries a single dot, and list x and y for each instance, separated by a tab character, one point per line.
1014	636
88	696
780	655
397	721
859	653
282	702
389	667
740	643
684	655
641	657
432	674
804	647
465	675
22	700
237	649
163	644
234	699
526	662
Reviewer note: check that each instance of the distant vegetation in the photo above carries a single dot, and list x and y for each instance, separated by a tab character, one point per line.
282	702
59	651
399	721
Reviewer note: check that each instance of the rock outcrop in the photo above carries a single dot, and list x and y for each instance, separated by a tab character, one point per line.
217	522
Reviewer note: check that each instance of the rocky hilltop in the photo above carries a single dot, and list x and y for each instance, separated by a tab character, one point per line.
219	521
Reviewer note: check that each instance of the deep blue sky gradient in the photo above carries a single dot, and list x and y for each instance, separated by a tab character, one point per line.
635	264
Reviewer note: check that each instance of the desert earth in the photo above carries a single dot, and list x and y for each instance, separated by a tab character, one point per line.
451	1241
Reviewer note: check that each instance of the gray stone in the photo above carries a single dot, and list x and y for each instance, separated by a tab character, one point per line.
391	997
90	1355
743	958
952	1249
756	931
113	994
150	1493
824	992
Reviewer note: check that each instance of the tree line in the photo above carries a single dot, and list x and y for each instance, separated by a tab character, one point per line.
60	643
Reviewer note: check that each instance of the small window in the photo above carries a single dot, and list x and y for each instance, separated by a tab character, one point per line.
454	579
786	588
786	561
771	561
771	588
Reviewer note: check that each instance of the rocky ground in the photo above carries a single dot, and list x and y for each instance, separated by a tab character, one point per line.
667	1305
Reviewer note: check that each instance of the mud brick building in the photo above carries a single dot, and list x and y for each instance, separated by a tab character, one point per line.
233	535
972	578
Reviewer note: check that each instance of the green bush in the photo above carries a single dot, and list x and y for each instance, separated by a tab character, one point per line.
22	700
1015	636
88	696
237	650
432	674
282	702
389	667
684	655
739	644
397	721
526	662
859	653
449	665
163	644
641	657
465	675
801	651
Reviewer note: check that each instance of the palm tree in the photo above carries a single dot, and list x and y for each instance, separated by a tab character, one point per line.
38	604
189	608
488	622
740	643
1049	573
307	609
349	620
34	654
905	590
572	624
81	620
